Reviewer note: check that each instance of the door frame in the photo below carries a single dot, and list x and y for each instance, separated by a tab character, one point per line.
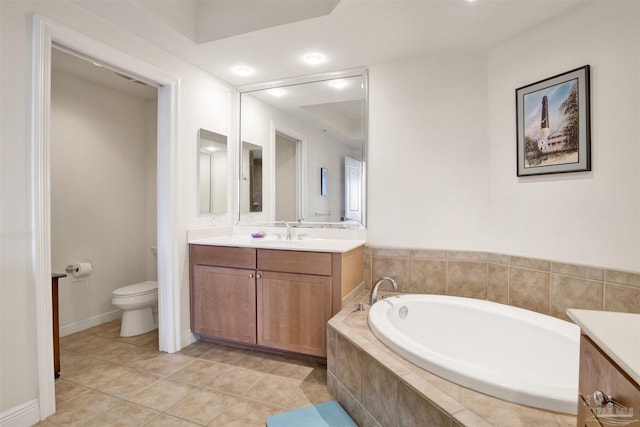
301	169
45	33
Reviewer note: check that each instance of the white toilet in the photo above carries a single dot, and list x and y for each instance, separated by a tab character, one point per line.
137	302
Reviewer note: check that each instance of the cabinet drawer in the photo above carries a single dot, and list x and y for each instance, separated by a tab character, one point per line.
318	263
223	256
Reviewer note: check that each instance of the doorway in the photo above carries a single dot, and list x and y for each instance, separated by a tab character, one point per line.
46	33
286	167
103	185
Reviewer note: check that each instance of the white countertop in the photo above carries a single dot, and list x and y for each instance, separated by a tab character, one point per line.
617	334
309	245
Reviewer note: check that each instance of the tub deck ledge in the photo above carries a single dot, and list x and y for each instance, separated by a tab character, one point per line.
378	387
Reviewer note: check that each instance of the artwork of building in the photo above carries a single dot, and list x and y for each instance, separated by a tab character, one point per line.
550	142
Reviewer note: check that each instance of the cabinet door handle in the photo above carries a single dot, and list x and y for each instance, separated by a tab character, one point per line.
250	275
258	275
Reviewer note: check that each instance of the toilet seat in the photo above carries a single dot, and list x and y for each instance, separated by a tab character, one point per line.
137	289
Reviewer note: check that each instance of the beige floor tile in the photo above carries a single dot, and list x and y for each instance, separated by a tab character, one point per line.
197	349
129	383
110	330
225	354
274	391
201	406
97	375
123	414
308	394
83	344
67	390
244	413
262	362
78	411
148	339
163	364
198	372
166	420
235	380
162	394
114	351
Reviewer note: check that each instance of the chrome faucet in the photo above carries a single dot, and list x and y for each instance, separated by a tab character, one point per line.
374	292
286	224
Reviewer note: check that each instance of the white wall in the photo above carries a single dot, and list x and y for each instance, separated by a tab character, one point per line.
203	103
100	210
591	217
428	153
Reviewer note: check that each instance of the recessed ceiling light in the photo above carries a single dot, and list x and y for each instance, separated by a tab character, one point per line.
338	83
277	92
314	58
242	70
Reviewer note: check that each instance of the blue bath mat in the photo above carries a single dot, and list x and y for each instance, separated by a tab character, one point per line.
325	414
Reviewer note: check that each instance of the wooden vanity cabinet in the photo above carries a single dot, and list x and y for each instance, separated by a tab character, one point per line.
599	372
223	292
271	298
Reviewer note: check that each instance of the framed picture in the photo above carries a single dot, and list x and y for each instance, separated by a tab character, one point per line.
323	181
553	124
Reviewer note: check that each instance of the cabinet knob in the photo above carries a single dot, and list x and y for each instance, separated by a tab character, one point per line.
250	275
258	275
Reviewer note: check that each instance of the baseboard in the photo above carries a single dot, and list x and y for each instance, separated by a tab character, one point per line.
26	414
187	338
72	328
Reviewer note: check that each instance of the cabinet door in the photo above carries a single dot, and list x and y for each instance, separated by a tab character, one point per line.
223	301
293	310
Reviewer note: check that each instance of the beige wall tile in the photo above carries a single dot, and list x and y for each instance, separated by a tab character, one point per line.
585	272
467	279
498	283
428	253
380	392
622	278
530	263
427	276
468	256
415	410
331	348
396	268
389	252
349	366
367	270
621	298
529	289
498	258
573	292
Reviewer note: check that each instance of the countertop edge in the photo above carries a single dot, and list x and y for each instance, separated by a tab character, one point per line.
596	325
335	245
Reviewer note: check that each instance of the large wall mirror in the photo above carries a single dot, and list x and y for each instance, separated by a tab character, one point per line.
303	151
212	173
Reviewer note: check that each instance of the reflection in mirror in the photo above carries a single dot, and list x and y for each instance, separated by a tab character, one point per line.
251	188
212	172
312	141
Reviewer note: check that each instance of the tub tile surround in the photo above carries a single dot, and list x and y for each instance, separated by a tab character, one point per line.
544	286
379	388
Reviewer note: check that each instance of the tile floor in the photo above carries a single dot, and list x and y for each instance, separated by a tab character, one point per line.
107	380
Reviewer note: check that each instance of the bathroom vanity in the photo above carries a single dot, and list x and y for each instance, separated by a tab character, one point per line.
609	388
271	294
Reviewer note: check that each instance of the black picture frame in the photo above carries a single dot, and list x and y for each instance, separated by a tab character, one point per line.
553	124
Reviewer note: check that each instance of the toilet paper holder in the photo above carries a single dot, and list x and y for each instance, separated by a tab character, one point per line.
72	269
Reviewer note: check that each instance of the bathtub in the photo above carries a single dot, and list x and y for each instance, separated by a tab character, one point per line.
507	352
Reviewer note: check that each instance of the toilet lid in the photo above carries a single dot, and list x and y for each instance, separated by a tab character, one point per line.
137	289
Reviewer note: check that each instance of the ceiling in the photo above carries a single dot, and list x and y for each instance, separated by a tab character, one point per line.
272	36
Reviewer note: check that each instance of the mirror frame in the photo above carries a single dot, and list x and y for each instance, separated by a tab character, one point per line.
313	78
